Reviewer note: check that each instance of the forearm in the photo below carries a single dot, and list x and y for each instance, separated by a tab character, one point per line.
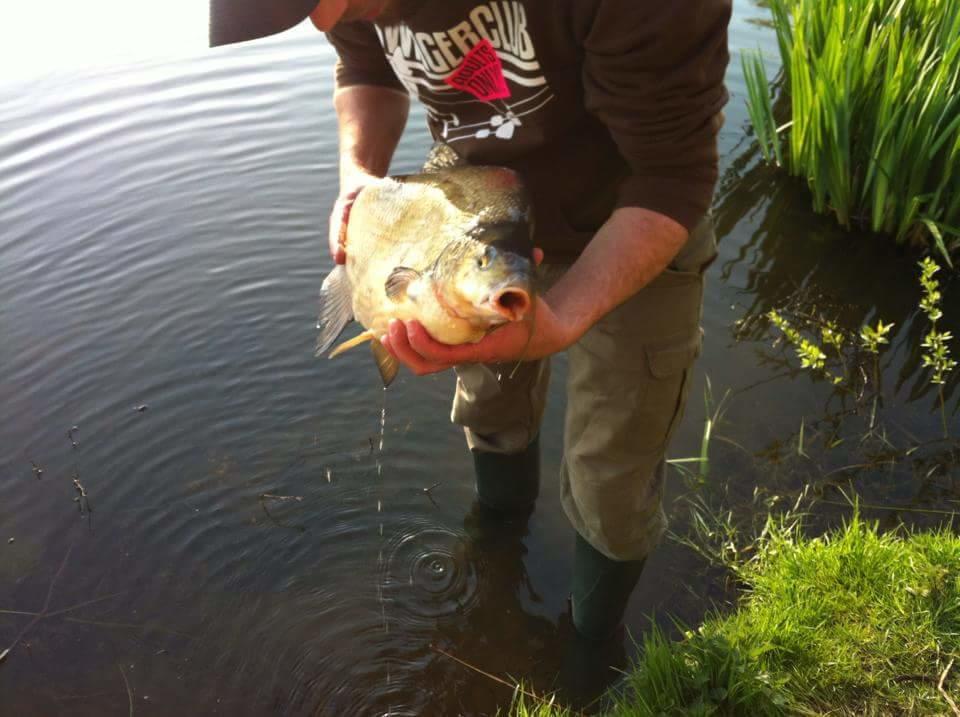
629	251
371	120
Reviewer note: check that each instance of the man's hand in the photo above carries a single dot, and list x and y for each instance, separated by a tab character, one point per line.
541	335
340	215
370	120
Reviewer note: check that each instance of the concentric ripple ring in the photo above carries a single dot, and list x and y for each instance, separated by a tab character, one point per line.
428	573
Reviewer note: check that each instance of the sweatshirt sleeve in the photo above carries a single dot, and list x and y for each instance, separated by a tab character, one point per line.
653	74
360	57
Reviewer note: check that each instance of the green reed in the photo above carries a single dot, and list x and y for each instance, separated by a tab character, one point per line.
874	125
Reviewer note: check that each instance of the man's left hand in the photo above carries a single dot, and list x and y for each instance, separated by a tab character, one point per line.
541	335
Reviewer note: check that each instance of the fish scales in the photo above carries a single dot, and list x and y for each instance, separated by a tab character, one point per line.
392	221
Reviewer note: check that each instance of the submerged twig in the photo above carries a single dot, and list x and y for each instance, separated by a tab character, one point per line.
271	496
428	491
45	611
126	683
82	499
515	686
46	606
128	625
895	508
264	497
85	603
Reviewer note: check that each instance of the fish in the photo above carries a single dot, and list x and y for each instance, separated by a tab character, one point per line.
450	247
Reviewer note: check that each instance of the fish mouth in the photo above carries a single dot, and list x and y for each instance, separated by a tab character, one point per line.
512	303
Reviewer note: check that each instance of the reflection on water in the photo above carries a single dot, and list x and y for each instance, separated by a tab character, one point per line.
888	446
250	549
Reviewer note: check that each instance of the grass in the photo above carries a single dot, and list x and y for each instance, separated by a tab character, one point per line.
874	125
856	622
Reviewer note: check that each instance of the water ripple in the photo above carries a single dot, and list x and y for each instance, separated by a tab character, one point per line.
428	574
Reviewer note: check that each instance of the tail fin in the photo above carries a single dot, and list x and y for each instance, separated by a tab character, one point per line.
336	308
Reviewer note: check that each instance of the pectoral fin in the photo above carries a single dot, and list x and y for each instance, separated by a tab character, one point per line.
398	281
355	341
387	364
336	308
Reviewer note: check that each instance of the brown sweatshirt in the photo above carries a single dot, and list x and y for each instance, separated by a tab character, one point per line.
599	104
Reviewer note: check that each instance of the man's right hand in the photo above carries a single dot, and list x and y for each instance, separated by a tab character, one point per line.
370	121
339	217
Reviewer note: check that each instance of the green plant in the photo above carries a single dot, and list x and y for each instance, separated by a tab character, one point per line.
874	126
937	352
810	354
760	108
872	338
853	622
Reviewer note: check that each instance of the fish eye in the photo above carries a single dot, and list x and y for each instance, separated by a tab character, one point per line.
483	261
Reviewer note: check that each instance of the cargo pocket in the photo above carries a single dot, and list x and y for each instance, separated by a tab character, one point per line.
670	366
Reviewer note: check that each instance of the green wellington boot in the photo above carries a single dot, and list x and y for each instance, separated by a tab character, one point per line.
508	482
601	589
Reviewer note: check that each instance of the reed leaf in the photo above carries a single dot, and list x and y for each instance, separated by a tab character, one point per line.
874	126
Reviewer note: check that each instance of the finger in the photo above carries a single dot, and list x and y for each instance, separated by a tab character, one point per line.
436	352
537	256
333	233
401	349
339	219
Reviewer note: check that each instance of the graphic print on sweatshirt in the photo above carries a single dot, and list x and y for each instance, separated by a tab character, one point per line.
484	66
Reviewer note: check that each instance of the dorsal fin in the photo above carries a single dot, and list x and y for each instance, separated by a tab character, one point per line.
442	156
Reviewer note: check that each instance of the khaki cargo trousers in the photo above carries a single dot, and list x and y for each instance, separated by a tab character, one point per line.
627	385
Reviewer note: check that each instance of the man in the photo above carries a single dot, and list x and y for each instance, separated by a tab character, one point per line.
609	109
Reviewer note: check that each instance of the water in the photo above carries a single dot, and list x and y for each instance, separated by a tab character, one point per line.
162	246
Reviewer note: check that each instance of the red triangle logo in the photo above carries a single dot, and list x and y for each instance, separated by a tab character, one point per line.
481	74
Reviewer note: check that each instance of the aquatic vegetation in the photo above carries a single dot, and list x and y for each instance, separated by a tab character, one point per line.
526	704
871	338
937	351
810	354
859	438
874	119
713	412
936	354
852	622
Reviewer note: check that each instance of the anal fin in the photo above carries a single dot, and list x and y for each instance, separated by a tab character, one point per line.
355	341
387	364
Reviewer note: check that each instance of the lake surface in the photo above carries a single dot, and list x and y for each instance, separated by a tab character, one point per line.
162	242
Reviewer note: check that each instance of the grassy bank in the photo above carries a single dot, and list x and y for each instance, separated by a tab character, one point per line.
852	623
873	126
